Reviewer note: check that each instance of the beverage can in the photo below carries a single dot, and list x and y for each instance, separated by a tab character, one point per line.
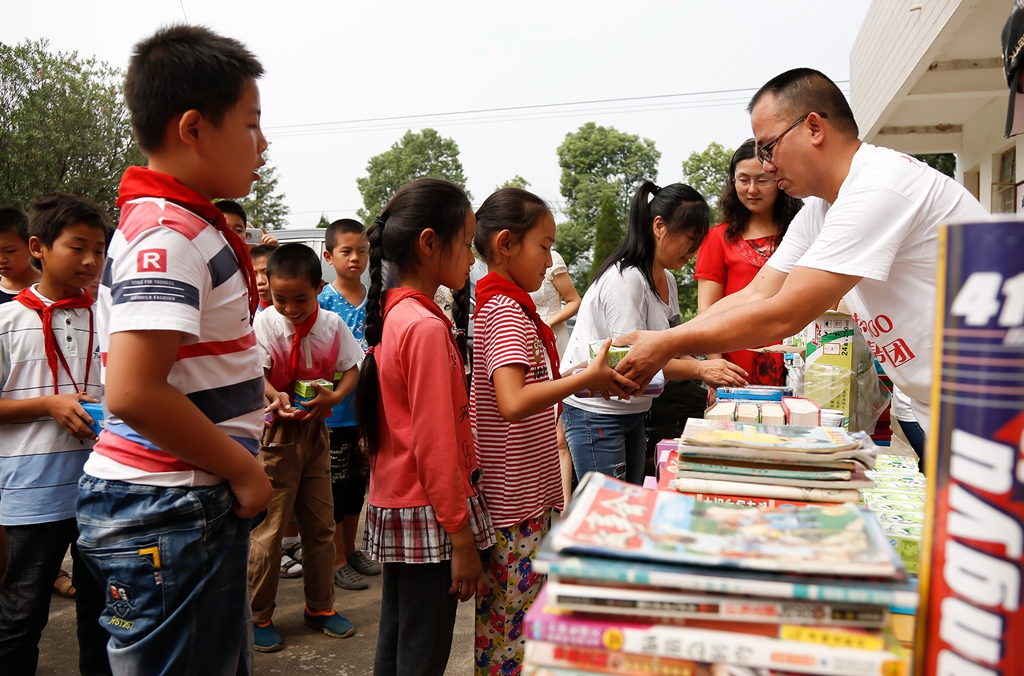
972	618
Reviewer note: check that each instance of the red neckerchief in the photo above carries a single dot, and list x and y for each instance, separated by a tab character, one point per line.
493	285
141	182
393	297
301	331
29	299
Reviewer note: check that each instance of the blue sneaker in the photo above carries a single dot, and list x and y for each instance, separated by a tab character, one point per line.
333	625
266	639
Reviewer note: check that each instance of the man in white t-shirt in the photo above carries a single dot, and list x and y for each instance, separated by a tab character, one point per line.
868	231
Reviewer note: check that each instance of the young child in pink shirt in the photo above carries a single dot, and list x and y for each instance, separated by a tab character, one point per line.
425	521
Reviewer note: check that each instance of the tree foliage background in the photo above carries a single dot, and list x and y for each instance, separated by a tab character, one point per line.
607	234
597	162
63	126
265	204
415	155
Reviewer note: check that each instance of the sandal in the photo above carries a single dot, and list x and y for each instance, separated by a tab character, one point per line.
347	578
363	565
62	585
294	550
290	567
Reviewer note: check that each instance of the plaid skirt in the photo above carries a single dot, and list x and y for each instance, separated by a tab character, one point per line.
413	534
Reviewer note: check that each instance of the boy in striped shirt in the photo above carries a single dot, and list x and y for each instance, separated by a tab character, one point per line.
49	364
165	505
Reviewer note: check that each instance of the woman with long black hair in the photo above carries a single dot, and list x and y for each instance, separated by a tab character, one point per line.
755	216
634	289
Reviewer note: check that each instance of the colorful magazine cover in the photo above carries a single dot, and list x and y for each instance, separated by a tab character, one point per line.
613	518
700	432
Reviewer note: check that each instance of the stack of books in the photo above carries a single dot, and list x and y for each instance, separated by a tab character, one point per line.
806	464
657	582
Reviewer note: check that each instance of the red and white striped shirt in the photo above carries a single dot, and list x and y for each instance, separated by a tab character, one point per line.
519	460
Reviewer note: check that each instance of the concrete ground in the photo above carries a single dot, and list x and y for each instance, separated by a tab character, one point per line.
306	651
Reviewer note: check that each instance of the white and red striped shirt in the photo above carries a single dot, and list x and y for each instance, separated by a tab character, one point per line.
168	269
519	460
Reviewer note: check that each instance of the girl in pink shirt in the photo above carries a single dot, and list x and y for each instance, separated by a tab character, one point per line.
514	408
425	520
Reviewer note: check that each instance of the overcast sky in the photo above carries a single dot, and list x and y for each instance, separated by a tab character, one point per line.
340	62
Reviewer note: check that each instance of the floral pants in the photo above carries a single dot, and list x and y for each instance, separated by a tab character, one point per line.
512	585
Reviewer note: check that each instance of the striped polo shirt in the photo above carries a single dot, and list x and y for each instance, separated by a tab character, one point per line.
521	475
169	270
40	463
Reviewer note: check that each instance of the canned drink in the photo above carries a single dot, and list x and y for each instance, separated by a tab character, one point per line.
971	586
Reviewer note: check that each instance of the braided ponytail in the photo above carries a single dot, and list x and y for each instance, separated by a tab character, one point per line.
368	389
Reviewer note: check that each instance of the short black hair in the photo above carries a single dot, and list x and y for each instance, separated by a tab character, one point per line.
182	68
262	250
13	219
232	207
52	214
342	226
804	90
295	261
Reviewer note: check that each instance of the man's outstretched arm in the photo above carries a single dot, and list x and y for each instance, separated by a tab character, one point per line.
805	294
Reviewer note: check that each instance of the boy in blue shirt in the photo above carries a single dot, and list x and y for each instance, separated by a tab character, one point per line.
348	251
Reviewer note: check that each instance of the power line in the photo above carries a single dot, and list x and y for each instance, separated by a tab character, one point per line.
182	3
505	109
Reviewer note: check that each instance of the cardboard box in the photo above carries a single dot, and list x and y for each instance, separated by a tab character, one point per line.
836	353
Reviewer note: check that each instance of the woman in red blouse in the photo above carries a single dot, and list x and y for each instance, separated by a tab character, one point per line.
756	215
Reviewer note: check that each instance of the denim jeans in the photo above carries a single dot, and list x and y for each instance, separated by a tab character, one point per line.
173	564
610	444
915	437
35	553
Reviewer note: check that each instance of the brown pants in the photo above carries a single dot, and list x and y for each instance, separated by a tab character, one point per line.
296	457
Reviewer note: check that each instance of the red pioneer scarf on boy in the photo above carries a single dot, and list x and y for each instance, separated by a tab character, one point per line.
141	182
295	354
494	285
32	301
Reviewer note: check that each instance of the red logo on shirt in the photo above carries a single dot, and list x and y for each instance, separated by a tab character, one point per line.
898	352
153	260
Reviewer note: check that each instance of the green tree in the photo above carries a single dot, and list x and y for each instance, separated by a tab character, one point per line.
706	172
607	234
415	155
944	162
516	181
323	222
265	206
63	126
596	161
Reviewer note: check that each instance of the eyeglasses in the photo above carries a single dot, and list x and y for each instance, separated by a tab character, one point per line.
764	153
745	181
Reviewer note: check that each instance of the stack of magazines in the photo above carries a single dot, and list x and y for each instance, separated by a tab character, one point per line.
809	464
657	582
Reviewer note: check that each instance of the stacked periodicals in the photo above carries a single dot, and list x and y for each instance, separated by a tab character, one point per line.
809	464
656	582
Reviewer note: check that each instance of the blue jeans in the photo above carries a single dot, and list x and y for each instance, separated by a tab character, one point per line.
915	437
35	553
610	444
173	564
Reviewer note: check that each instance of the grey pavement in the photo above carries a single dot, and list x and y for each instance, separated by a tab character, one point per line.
306	651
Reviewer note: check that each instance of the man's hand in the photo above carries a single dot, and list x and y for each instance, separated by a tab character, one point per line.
722	373
648	354
67	410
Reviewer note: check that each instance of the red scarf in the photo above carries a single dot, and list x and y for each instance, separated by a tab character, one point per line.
301	331
141	182
393	297
29	299
494	285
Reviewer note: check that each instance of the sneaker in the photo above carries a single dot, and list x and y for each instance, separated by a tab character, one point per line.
333	625
347	578
290	567
266	639
363	565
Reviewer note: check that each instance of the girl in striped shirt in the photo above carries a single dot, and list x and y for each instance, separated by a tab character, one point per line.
514	407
